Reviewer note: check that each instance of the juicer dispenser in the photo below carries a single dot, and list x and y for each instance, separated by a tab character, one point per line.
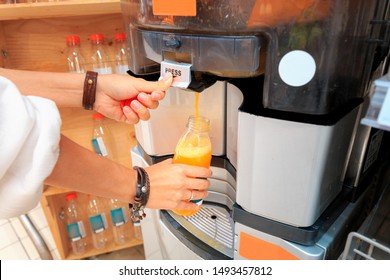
284	84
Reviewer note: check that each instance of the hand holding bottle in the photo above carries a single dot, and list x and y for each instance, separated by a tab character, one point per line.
172	185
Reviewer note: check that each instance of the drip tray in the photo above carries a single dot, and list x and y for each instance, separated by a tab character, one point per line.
212	225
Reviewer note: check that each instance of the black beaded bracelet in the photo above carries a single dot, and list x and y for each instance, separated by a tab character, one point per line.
141	195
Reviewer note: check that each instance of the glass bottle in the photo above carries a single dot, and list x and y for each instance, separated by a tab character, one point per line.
121	62
74	224
98	222
194	148
76	62
100	61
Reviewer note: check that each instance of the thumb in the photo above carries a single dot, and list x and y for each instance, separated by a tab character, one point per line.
160	85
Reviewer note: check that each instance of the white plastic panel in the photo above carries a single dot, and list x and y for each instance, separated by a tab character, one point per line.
158	136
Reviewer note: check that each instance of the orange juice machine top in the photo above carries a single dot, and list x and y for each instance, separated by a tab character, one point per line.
283	83
312	52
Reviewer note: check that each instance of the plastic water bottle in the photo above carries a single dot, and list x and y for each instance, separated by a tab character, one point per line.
100	61
74	224
76	62
98	222
119	217
137	230
101	138
121	62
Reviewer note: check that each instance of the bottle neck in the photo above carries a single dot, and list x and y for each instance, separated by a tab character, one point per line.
73	45
198	124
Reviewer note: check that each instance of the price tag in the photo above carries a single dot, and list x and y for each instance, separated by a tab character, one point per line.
181	73
174	7
384	114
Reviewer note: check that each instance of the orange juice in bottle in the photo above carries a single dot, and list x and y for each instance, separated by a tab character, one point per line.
194	148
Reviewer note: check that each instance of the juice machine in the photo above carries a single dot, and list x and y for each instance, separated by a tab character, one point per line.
284	84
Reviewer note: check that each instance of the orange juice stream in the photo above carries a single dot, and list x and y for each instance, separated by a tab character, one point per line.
194	148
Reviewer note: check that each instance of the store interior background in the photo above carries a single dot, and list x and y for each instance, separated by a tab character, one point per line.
25	53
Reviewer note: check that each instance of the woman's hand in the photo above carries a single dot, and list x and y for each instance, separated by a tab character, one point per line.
144	95
171	185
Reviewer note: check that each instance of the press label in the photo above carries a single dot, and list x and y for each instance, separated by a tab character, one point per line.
181	73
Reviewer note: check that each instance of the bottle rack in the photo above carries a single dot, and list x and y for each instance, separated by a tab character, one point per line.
54	205
372	240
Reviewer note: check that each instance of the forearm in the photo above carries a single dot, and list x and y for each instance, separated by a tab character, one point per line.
65	89
82	170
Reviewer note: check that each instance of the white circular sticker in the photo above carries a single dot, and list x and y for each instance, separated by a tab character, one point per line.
297	68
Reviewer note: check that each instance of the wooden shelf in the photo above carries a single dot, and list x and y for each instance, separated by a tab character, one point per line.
58	9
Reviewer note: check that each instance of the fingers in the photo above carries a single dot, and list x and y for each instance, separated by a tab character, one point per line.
192	194
164	83
197	172
148	100
135	112
131	116
139	110
197	183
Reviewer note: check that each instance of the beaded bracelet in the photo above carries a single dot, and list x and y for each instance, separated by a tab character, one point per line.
141	196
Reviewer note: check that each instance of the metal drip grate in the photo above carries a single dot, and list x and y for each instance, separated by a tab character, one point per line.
212	225
215	224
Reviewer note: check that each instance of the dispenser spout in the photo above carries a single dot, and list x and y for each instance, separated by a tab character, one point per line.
201	81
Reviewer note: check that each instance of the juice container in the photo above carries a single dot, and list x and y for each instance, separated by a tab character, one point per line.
194	148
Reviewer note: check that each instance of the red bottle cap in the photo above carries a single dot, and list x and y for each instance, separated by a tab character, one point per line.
97	116
120	37
73	39
96	38
71	196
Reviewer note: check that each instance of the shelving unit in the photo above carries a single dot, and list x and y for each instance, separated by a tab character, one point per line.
32	37
41	10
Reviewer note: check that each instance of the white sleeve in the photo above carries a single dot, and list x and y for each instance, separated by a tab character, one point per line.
29	148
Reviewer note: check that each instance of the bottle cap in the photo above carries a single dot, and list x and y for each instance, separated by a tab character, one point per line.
97	116
96	38
120	36
71	196
73	39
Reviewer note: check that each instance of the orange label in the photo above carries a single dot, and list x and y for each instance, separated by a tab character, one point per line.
174	7
254	248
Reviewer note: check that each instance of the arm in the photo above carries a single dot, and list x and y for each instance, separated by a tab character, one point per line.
170	184
82	170
66	90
